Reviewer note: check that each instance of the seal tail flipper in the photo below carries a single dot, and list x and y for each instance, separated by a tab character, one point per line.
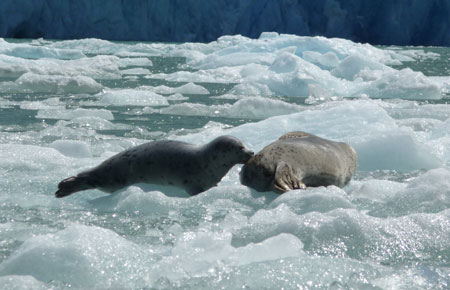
73	184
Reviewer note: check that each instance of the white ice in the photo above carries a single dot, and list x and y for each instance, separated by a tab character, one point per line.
289	65
135	97
379	142
36	83
248	108
189	88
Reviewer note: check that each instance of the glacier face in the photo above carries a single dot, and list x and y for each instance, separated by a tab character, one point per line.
399	22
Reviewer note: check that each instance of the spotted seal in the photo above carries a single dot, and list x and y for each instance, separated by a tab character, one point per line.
191	167
299	160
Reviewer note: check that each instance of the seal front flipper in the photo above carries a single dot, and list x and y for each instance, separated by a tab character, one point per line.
285	180
73	184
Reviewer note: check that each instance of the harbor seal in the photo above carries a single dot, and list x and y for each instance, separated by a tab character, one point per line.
191	167
299	160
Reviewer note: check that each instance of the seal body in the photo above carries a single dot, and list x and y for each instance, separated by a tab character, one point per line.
299	160
190	167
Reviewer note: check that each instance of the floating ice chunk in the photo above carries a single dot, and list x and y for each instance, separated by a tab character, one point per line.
340	47
35	83
134	97
143	133
229	59
408	109
30	158
136	54
192	89
183	51
177	97
35	52
419	124
72	148
11	71
248	108
238	50
269	35
22	282
285	62
88	45
395	151
427	193
62	131
279	247
97	123
444	81
197	251
441	130
357	120
51	103
416	54
189	88
4	103
97	67
314	199
163	90
379	142
135	61
356	69
193	109
136	71
148	202
76	113
142	49
419	276
351	233
290	75
374	190
328	60
98	46
83	256
404	84
261	108
218	75
251	89
319	94
352	65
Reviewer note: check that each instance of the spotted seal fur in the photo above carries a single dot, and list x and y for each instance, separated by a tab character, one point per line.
191	167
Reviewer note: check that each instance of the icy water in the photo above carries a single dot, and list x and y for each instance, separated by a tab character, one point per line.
67	105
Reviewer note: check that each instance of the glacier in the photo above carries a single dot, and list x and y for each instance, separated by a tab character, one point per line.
399	22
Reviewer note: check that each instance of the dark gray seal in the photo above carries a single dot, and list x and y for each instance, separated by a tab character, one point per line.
190	167
299	160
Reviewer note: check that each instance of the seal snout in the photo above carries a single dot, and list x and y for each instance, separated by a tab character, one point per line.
247	155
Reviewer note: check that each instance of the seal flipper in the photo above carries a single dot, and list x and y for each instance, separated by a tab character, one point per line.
73	184
285	180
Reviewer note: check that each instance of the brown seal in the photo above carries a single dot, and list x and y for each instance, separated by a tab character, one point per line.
299	160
